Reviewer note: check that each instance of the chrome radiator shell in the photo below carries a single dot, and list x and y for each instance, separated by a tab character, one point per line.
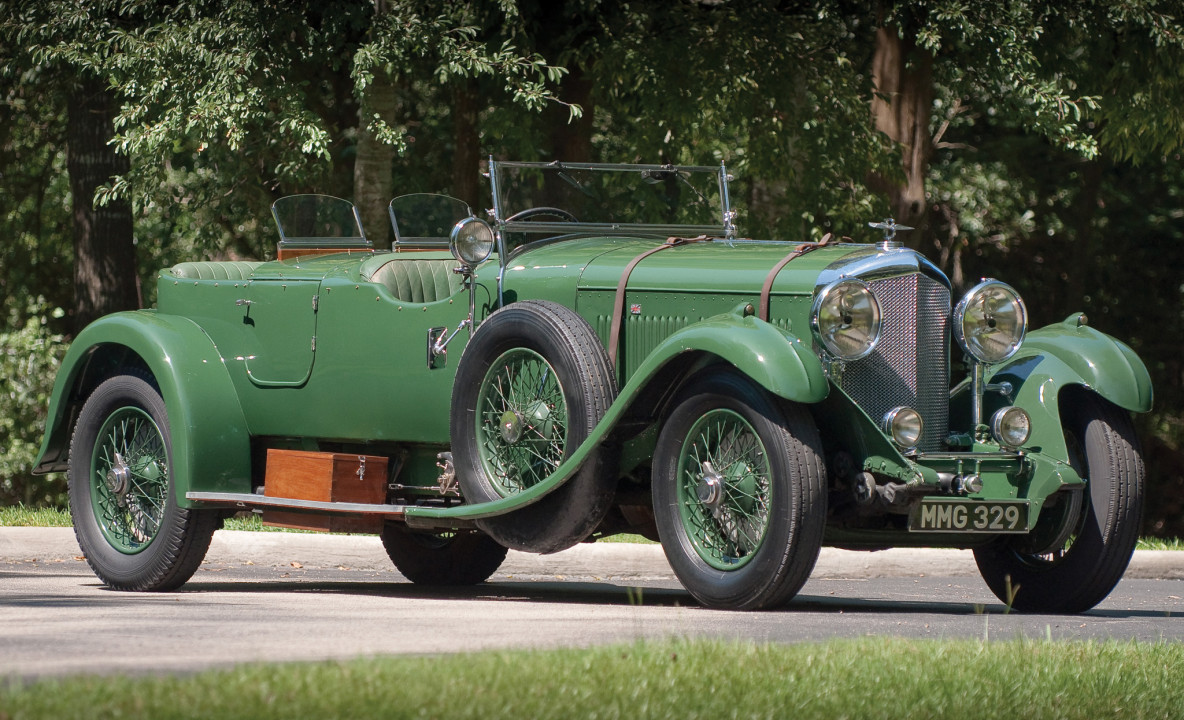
910	363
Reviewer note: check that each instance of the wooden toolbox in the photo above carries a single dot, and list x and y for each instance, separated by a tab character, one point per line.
325	477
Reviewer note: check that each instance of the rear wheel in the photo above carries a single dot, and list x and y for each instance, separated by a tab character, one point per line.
739	494
1093	535
122	497
455	557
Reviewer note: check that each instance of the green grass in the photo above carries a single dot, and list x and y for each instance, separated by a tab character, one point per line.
1160	544
866	678
21	516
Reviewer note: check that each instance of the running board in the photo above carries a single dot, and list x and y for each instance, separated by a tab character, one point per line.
248	501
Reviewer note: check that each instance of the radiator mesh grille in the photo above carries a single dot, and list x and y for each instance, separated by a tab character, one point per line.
909	365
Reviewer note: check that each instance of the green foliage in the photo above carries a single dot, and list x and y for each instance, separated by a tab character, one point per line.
30	354
690	679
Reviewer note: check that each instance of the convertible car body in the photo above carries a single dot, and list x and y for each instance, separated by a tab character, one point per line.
601	352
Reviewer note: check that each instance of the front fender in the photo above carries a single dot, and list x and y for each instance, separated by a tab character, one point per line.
211	447
1071	353
777	360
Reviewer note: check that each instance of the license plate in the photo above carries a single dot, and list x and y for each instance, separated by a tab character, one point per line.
970	516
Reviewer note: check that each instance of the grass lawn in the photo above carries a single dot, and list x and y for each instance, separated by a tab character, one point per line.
866	678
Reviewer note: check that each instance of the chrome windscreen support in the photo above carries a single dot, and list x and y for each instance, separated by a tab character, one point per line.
729	215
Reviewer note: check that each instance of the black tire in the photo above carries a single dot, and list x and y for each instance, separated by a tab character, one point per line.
1079	572
122	500
524	344
461	557
745	535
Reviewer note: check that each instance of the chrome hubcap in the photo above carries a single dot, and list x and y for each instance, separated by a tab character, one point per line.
710	487
119	478
511	425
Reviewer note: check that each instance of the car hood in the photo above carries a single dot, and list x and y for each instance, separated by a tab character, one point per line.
716	266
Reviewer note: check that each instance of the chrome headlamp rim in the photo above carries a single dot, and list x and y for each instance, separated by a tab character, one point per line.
471	241
873	331
893	424
998	429
968	343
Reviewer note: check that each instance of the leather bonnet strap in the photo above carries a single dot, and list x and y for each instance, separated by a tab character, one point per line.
768	286
619	300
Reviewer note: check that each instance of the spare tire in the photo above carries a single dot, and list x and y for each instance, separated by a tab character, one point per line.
531	385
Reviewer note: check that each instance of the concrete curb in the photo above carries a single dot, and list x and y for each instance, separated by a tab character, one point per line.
602	560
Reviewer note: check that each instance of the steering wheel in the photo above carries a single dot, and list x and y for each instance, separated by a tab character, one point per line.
542	210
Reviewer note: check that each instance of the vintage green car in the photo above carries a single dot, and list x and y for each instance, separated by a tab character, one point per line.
601	353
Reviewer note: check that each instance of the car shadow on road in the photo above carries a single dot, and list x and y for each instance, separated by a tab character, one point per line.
609	594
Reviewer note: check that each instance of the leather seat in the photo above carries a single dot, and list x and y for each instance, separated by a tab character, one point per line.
419	281
214	270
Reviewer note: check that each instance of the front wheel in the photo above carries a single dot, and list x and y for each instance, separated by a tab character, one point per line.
126	518
739	494
1094	536
455	557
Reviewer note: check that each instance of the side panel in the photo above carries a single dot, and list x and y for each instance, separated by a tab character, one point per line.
280	320
211	450
370	380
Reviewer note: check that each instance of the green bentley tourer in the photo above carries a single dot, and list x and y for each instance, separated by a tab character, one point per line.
601	352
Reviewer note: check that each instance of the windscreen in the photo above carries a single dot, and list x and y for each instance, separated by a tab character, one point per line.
605	197
426	219
321	218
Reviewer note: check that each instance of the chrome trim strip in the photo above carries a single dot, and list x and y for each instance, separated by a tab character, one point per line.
953	456
556	165
871	263
609	228
249	500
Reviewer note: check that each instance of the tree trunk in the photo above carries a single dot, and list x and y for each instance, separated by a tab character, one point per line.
901	108
466	158
569	140
105	275
374	181
572	141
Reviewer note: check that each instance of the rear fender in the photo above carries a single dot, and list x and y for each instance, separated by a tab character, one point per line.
211	448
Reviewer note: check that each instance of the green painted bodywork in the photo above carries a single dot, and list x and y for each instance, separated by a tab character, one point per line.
311	353
209	433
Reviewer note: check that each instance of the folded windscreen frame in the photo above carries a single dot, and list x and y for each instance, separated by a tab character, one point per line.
317	225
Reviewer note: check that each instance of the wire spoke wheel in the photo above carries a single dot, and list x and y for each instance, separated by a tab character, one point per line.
129	479
521	421
738	487
724	489
122	494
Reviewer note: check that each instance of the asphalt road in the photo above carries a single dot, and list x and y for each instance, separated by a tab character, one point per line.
282	597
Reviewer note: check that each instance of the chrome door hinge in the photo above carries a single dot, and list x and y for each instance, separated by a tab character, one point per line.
316	302
314	343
